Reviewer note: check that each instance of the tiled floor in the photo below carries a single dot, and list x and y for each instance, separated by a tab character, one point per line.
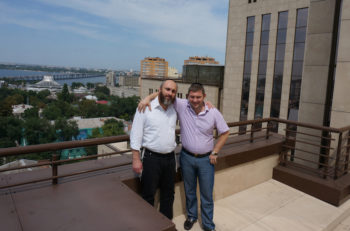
274	206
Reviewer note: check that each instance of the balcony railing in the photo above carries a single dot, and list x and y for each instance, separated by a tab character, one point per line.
321	151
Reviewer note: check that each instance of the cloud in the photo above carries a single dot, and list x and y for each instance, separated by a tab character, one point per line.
39	20
190	22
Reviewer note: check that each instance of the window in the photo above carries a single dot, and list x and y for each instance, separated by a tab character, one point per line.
150	91
297	65
263	55
279	65
247	69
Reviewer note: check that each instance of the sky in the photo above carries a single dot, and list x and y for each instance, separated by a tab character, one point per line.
113	34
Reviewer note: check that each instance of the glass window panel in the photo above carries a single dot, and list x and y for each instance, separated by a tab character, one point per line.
282	20
261	83
279	68
281	36
275	108
266	22
280	51
277	88
247	67
248	53
263	52
297	69
299	51
265	37
300	35
250	24
302	17
262	68
250	38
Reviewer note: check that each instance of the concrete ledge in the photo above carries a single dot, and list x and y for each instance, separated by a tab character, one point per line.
331	191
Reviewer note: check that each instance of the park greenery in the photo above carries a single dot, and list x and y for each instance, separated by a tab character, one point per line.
49	119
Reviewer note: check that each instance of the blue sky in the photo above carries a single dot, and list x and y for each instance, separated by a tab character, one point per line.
115	34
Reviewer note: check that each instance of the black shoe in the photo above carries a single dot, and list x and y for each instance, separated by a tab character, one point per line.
206	229
189	223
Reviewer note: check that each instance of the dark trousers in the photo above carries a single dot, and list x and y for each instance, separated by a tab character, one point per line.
159	171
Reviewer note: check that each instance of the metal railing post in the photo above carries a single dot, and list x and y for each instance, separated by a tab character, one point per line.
252	132
336	166
347	154
54	168
328	144
267	129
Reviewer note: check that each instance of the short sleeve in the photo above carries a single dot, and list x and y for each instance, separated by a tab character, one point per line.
220	122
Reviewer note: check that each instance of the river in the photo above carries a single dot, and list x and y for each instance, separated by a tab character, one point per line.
7	73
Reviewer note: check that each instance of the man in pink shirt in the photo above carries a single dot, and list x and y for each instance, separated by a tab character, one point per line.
198	154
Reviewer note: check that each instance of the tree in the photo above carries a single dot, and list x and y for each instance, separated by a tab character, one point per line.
101	96
76	85
90	85
5	108
111	127
52	112
43	94
65	95
31	113
102	89
58	109
66	129
10	131
88	108
39	131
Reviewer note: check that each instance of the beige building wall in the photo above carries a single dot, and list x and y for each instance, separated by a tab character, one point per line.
340	114
235	50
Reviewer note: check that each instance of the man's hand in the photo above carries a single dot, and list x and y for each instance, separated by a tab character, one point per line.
143	104
209	104
213	159
137	165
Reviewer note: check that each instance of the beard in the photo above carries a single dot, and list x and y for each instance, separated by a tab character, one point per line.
164	100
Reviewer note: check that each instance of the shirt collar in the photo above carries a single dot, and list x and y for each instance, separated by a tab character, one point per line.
206	109
155	104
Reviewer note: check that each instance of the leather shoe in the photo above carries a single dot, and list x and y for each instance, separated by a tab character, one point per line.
189	223
206	229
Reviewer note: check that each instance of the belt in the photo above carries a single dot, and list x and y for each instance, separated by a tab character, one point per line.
158	154
196	154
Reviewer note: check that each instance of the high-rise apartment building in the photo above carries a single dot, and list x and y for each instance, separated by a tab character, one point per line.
288	59
110	79
200	60
154	67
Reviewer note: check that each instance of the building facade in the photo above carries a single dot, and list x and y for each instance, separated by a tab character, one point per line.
173	72
110	79
288	59
154	67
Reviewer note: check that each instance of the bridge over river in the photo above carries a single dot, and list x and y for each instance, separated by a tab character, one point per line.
62	76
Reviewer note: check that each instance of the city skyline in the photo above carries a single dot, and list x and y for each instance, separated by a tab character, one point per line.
111	34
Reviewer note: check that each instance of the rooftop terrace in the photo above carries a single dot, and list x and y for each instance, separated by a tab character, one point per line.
251	185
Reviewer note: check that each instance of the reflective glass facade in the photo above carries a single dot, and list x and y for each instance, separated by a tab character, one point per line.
263	54
247	69
279	65
297	66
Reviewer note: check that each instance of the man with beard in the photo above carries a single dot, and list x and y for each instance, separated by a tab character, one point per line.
153	134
